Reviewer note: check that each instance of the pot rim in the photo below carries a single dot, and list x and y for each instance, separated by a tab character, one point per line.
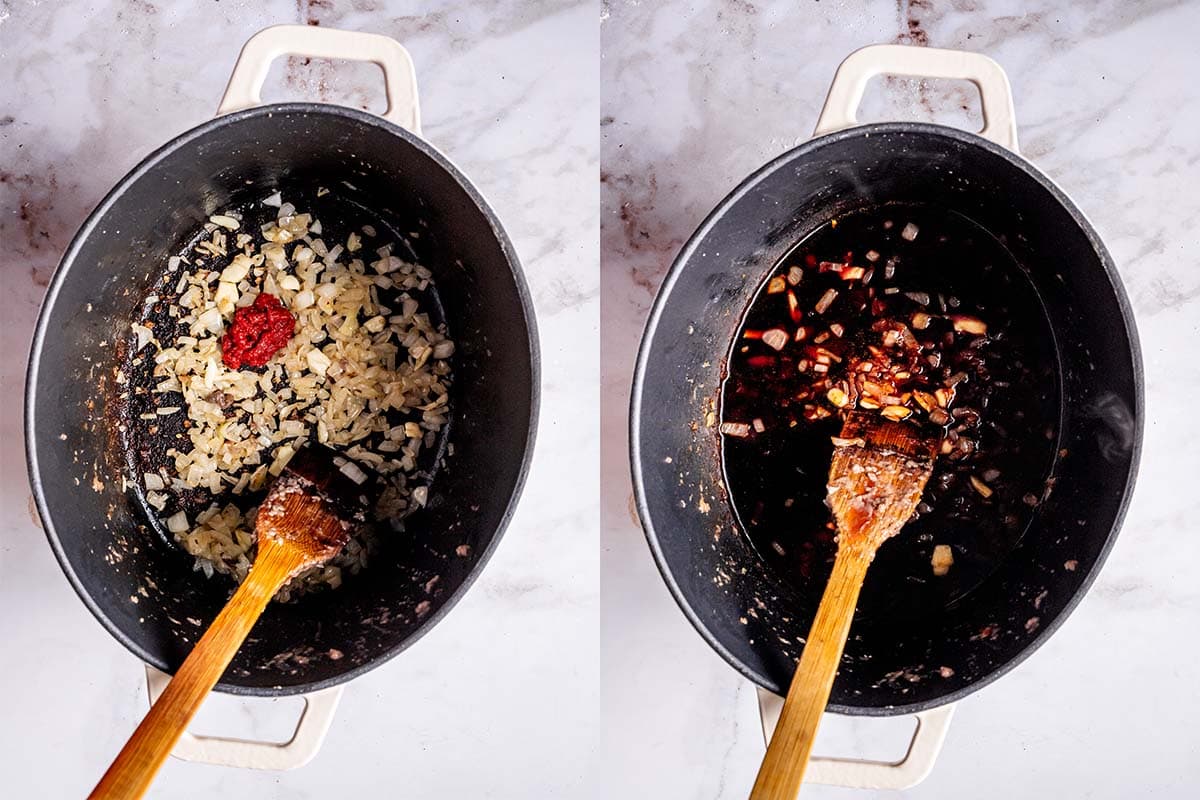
87	229
639	376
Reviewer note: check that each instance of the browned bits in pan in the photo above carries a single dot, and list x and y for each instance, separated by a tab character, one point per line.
934	328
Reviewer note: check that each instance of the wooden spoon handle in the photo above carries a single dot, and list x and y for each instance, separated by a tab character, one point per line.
782	769
140	759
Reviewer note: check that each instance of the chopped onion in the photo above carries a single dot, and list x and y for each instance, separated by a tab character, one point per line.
984	490
177	523
775	338
144	336
282	456
942	560
353	472
738	429
226	297
964	324
318	362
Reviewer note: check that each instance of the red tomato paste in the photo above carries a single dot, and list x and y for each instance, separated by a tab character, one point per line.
257	332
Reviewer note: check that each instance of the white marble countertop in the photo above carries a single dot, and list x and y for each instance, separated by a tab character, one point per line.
498	700
696	96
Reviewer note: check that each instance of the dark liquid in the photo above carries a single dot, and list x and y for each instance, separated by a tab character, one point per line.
776	478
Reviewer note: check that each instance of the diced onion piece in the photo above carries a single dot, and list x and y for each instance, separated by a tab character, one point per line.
794	276
353	243
777	285
318	362
157	499
238	269
289	282
826	300
794	307
226	297
775	338
943	559
738	429
910	232
857	441
178	522
446	349
353	472
275	200
282	456
144	336
225	221
210	320
984	490
964	324
153	482
758	425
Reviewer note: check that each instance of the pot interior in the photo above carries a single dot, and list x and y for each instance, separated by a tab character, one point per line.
140	584
757	613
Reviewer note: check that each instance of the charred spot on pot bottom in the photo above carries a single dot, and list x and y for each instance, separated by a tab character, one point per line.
980	363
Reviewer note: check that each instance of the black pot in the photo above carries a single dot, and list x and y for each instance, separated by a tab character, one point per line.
756	617
142	588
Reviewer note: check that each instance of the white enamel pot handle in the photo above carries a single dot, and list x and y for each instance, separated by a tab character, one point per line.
400	79
852	77
857	773
298	750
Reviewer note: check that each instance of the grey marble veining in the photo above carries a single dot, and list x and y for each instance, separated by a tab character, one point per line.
697	95
509	91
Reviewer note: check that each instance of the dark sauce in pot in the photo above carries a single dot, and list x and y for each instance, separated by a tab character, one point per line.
942	279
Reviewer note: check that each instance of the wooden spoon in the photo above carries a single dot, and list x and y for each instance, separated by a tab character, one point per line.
878	473
306	519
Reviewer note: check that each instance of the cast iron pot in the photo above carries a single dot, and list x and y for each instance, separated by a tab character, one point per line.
753	616
142	588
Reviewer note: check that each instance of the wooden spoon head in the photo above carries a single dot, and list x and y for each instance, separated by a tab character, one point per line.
878	473
312	507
